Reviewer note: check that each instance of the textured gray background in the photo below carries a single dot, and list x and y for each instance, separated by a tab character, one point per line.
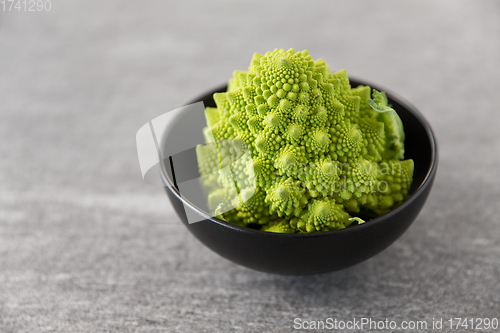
86	246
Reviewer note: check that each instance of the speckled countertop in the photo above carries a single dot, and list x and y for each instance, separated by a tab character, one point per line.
86	246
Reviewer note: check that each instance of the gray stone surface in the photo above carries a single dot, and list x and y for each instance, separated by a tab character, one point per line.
86	246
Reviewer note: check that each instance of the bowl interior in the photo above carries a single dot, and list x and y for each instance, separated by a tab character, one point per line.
419	146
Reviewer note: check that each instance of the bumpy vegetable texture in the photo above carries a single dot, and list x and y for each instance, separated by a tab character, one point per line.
292	148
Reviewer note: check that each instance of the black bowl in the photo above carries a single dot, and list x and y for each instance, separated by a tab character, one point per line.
306	254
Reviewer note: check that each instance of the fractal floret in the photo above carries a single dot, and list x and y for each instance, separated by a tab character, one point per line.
293	148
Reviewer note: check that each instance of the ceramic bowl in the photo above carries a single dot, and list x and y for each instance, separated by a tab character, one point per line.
306	254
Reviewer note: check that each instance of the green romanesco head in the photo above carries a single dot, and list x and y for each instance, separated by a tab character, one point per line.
291	147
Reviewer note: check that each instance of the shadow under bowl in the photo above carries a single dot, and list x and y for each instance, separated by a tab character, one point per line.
322	252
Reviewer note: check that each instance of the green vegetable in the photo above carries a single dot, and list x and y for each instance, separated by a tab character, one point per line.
292	148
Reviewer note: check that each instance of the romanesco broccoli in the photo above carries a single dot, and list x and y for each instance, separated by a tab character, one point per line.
321	154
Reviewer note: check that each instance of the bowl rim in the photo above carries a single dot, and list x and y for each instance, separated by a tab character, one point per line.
352	79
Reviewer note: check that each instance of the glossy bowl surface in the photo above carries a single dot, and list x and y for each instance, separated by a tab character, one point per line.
306	254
